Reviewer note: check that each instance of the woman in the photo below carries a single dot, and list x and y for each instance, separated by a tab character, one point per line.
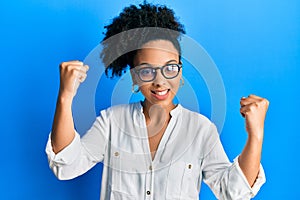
152	149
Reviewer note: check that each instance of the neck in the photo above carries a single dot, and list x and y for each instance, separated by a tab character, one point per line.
157	112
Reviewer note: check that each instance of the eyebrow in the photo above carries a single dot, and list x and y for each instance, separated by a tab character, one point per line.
168	62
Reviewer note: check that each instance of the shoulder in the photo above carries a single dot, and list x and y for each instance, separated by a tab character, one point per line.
195	116
198	123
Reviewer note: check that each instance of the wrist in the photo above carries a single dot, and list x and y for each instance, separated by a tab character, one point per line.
256	134
65	98
255	138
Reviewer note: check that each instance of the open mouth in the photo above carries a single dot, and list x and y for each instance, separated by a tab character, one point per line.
160	94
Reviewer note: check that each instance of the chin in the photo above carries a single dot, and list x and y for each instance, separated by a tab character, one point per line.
162	103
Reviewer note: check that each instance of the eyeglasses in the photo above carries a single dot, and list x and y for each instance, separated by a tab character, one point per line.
147	72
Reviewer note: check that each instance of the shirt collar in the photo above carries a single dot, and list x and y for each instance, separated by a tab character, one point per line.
175	112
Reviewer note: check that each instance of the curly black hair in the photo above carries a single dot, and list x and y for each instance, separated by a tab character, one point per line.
134	27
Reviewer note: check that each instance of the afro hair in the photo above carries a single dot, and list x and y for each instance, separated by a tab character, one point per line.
135	26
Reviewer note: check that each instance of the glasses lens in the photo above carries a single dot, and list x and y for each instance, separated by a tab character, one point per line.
147	73
171	71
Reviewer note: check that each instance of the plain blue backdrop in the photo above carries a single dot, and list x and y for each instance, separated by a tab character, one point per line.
255	44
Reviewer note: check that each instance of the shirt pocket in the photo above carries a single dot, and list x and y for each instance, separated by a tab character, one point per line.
116	195
183	181
123	179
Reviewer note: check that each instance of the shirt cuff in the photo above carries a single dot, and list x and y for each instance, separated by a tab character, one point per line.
65	156
260	179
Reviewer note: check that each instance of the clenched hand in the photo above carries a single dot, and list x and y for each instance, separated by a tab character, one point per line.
254	109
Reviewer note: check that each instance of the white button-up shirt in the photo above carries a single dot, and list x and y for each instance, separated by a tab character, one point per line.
190	151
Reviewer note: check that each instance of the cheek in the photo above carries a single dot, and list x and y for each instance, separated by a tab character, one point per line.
144	87
175	84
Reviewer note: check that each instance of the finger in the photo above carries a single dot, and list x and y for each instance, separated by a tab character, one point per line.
246	101
83	73
75	69
75	62
82	78
250	107
245	110
84	68
243	115
254	97
260	100
70	69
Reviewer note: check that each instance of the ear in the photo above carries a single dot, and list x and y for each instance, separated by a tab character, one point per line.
180	62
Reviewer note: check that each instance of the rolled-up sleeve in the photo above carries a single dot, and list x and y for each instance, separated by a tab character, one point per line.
60	161
226	180
82	153
237	181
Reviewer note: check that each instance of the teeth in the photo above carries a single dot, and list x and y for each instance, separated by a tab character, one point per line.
162	92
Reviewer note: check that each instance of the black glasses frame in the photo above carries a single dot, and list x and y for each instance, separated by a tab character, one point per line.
154	69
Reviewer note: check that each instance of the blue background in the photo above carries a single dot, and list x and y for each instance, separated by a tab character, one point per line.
255	45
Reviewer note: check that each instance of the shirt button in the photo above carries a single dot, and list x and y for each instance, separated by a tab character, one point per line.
190	166
148	192
117	153
150	167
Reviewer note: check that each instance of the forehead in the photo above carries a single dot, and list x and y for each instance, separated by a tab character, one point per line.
157	52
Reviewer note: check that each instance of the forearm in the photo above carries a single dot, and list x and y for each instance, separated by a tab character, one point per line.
249	160
63	131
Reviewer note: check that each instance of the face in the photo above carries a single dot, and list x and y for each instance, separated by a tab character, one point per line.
161	90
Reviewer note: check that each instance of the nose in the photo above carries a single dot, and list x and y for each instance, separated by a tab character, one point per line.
159	79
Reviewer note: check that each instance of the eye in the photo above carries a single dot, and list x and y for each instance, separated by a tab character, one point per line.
147	71
171	68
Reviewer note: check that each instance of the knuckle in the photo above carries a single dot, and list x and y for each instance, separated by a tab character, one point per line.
266	101
71	68
73	72
253	107
62	65
261	102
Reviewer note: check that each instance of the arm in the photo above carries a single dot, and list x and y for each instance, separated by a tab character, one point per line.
63	133
226	180
254	109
